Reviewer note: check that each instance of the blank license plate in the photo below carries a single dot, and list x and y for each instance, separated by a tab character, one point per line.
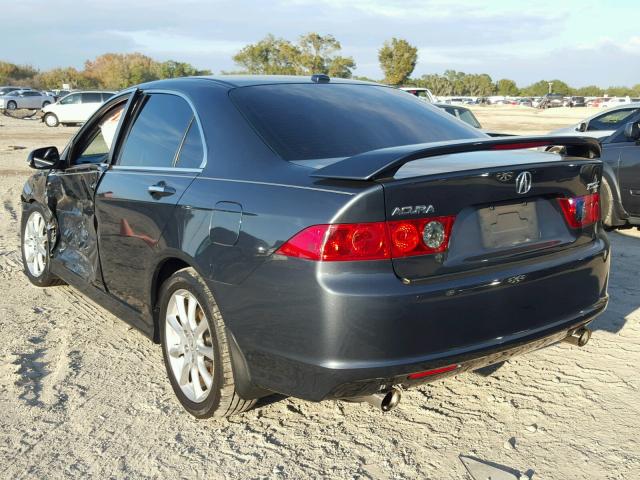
508	225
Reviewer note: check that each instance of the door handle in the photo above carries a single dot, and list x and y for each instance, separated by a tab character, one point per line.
161	189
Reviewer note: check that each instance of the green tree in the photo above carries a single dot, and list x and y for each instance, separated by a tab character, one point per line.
174	69
10	72
57	77
541	88
318	54
397	60
506	87
589	91
438	84
270	56
620	91
118	70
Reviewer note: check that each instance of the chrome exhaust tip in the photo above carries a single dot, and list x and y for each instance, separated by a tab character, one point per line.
386	400
579	338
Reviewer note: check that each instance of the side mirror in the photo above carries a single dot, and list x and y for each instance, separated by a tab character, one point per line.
582	127
44	158
632	131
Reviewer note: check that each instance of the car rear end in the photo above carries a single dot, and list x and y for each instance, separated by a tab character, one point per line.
444	264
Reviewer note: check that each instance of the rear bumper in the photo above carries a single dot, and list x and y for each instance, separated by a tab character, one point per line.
318	331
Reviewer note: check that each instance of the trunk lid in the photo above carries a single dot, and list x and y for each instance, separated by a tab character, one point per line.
494	222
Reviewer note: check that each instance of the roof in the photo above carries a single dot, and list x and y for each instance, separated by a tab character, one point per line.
233	81
251	80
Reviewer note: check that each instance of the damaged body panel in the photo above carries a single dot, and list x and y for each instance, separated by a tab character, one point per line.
71	199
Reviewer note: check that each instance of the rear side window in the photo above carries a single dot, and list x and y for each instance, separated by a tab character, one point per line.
157	132
91	97
192	151
309	121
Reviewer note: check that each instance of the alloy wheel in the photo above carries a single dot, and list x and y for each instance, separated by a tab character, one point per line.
35	244
189	345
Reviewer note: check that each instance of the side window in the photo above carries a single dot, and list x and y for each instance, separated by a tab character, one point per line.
91	97
192	151
70	99
610	120
106	96
157	132
100	139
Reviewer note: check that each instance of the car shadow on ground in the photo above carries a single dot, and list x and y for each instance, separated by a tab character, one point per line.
624	289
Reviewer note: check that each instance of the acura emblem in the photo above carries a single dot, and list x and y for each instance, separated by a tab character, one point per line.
523	182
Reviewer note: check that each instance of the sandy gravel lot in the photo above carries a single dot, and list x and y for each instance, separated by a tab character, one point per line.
82	394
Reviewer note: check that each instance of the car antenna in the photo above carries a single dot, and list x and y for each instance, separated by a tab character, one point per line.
320	78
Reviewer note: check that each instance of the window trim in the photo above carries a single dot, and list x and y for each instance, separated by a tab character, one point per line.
122	97
172	168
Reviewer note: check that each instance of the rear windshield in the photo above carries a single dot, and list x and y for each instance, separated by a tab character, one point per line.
310	121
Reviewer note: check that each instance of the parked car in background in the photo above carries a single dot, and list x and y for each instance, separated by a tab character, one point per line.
29	99
461	113
525	102
620	189
422	93
596	102
466	115
601	124
320	238
76	107
574	102
6	89
551	100
615	101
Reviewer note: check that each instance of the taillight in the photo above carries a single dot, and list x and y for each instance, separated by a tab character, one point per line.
370	241
354	241
420	237
581	211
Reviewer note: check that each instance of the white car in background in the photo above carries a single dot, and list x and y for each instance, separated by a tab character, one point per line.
615	101
76	107
422	93
29	99
601	124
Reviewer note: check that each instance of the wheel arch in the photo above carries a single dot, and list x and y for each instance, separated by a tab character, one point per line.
168	265
619	213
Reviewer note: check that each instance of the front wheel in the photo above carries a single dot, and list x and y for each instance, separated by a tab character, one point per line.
51	120
45	103
11	105
195	349
35	247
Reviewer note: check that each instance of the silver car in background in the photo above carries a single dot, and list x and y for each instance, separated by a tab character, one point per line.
30	99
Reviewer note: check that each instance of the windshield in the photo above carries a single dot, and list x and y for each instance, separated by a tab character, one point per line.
310	121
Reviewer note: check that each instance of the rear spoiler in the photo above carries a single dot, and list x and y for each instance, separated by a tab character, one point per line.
385	162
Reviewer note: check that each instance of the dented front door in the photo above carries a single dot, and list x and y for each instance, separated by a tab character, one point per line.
71	194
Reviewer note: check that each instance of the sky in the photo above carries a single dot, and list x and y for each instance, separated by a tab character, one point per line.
582	42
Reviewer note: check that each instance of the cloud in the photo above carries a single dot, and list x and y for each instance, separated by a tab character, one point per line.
524	41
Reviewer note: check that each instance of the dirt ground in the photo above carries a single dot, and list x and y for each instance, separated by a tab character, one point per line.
82	394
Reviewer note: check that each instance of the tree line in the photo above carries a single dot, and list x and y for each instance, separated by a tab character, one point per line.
310	53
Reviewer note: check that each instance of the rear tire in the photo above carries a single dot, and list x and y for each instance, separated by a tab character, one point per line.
12	105
197	356
606	205
51	120
45	103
